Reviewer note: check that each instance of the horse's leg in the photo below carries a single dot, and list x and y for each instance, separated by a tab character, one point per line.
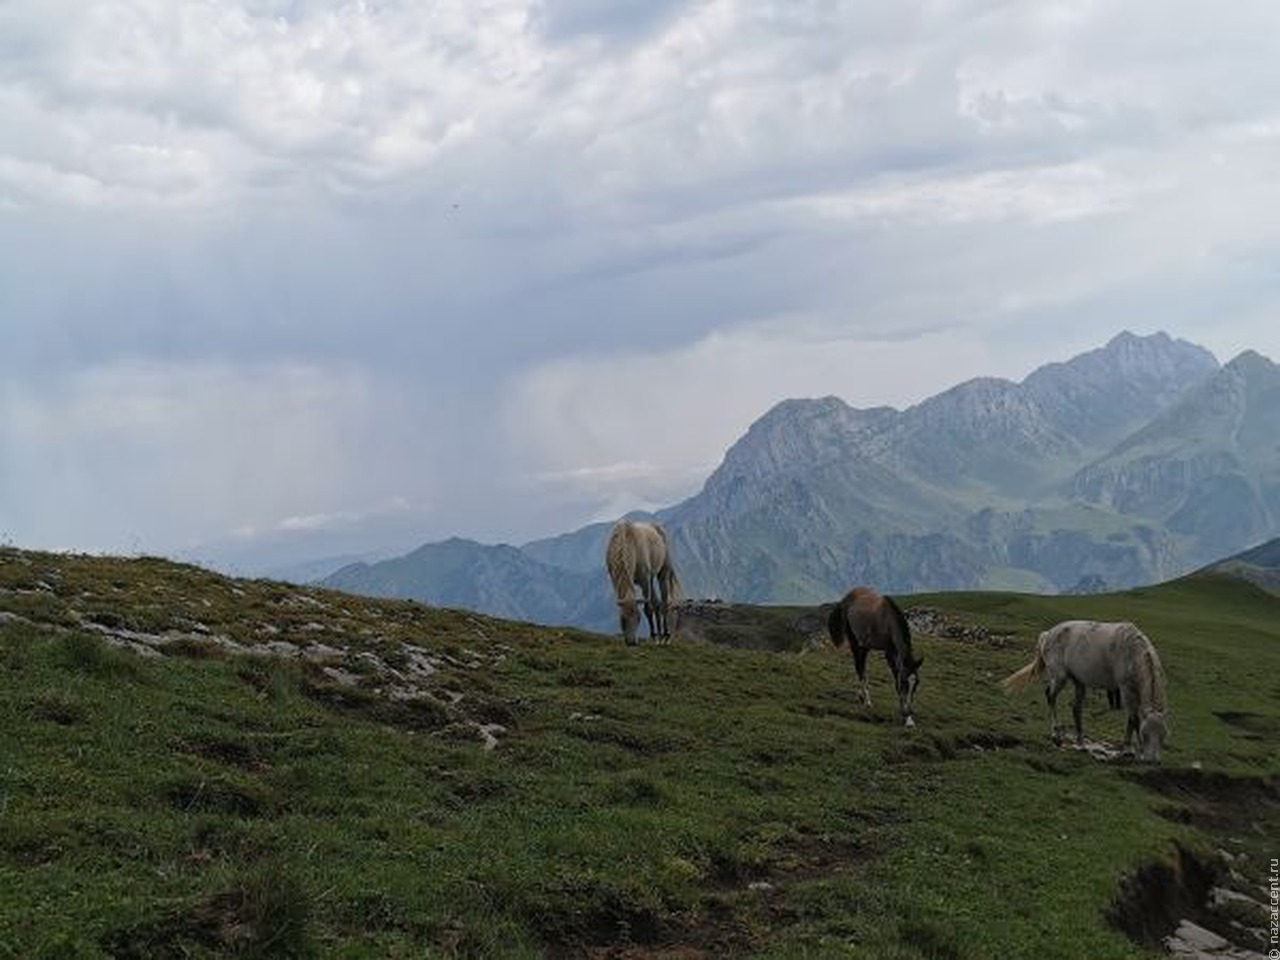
649	612
1051	690
860	664
1129	700
664	593
891	658
1131	719
904	708
1077	712
668	598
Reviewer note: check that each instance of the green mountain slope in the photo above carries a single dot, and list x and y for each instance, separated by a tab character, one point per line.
195	767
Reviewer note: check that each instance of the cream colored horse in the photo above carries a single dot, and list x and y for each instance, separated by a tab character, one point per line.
1114	656
640	556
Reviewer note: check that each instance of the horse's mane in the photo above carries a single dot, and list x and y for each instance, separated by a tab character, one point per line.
676	590
1155	679
900	621
1150	673
620	558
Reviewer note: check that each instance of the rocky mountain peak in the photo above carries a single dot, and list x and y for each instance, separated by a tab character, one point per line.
1100	396
796	434
1253	365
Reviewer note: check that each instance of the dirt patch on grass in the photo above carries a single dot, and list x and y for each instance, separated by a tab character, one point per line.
1251	726
930	939
1214	801
55	708
670	951
817	857
234	753
1190	888
217	795
648	742
743	902
675	937
267	914
582	916
1152	901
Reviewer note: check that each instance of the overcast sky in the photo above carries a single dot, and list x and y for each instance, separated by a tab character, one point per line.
330	275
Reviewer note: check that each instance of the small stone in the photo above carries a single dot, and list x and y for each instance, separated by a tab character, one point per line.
489	732
318	651
1198	937
281	648
341	677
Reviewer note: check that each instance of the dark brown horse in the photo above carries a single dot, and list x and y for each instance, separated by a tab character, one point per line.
872	622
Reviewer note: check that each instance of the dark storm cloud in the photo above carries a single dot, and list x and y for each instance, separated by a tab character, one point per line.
416	247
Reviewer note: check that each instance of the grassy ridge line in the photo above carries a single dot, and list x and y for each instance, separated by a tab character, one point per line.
683	798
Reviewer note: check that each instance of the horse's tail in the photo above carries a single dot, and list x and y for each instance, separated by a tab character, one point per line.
620	559
836	624
675	591
1020	678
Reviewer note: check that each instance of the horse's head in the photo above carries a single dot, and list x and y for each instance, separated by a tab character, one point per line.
629	620
1151	734
908	682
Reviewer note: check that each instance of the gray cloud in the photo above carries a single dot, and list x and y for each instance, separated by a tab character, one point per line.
494	217
618	20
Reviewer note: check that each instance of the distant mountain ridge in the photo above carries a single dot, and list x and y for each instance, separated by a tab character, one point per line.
1128	464
1259	566
469	575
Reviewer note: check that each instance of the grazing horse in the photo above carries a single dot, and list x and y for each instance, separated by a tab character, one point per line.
640	556
1114	656
872	622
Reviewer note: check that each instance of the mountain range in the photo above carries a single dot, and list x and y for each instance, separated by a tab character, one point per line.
1129	464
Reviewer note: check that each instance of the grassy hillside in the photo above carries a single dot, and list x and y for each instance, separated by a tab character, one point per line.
193	766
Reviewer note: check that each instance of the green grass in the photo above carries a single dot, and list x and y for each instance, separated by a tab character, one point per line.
692	799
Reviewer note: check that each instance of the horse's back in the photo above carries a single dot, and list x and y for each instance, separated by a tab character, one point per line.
1096	653
638	547
651	546
870	616
862	602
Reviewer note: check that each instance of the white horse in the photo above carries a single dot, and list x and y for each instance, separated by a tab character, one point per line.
640	556
1114	656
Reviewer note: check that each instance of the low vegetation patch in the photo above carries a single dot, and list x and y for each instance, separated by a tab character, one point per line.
201	767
